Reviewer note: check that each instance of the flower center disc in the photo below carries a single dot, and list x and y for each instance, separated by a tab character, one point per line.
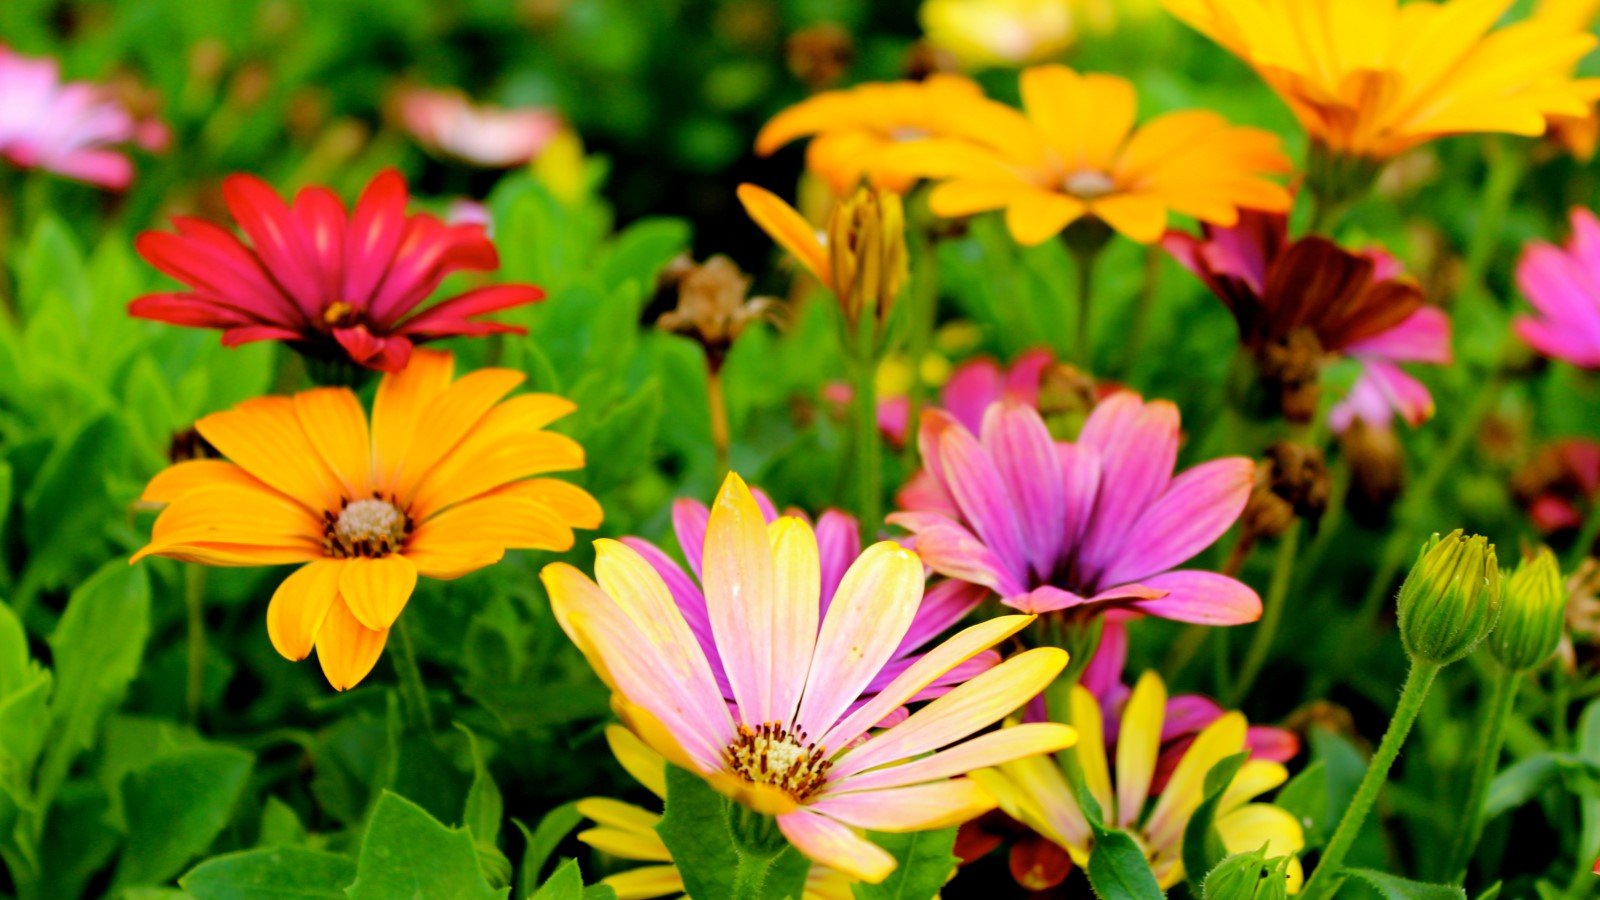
366	528
1087	184
771	754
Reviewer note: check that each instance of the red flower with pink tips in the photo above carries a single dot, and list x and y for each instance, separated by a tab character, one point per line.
333	283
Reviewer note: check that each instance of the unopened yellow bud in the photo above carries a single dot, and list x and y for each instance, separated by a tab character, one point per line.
867	250
1535	607
1451	599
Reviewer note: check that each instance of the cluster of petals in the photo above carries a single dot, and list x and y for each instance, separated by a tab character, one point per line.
1563	284
337	284
440	483
628	832
1075	151
1036	791
1358	305
1374	78
1095	525
75	129
448	123
794	743
838	545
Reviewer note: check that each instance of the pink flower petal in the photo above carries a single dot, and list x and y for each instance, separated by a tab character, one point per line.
1197	508
1203	598
1024	457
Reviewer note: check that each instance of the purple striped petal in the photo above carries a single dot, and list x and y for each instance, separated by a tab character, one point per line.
838	545
1138	446
1202	598
943	605
689	518
1198	507
971	390
1044	599
1080	482
954	552
691	602
1024	456
1423	336
980	492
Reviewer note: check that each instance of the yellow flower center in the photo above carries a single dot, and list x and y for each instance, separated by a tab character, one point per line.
372	528
773	755
339	314
1087	184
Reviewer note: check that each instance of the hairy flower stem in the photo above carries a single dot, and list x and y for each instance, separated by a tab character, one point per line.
194	593
413	690
1325	880
867	449
1271	613
717	406
1486	759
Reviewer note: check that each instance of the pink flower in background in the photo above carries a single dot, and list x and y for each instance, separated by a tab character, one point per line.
1100	524
1356	305
1563	284
974	385
73	128
333	283
838	544
447	123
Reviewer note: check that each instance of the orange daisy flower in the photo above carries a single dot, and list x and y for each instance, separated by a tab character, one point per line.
1074	152
440	484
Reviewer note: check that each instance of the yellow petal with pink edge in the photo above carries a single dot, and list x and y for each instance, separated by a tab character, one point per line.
995	748
917	807
1138	746
790	229
347	649
836	846
793	620
299	606
737	572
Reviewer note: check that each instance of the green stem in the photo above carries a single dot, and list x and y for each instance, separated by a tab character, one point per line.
1586	536
1506	169
924	300
1325	880
1084	345
194	589
1485	762
1134	342
413	691
1271	614
867	446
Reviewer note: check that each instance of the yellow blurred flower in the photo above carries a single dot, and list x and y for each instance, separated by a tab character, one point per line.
1577	135
984	34
851	129
1075	153
1578	15
1374	78
561	167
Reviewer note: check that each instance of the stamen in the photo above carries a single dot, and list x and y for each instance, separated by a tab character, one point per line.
370	528
771	754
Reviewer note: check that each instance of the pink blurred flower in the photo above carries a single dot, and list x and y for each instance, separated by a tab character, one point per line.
1098	524
839	544
1355	305
72	128
974	385
1563	284
447	123
334	284
1559	483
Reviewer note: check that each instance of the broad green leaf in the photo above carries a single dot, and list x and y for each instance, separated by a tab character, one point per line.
1531	775
175	807
96	648
280	826
66	507
1588	739
540	843
1118	869
1393	887
52	263
24	706
925	860
716	862
271	873
1306	797
566	883
408	853
1202	846
484	807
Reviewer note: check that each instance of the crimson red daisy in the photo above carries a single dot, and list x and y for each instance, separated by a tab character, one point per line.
334	283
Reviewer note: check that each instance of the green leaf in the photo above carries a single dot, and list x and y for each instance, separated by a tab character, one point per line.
407	853
280	826
268	873
718	858
96	647
1306	798
485	807
1118	869
1528	777
176	806
1393	887
541	843
565	884
925	860
24	705
1202	846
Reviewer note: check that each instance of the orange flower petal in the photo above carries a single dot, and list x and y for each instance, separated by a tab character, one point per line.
182	477
299	606
790	229
376	590
402	399
346	649
265	438
337	426
449	418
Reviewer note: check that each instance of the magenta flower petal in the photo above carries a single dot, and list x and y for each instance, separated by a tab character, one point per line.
1138	446
838	544
1563	284
1024	456
1202	598
951	550
1424	336
1199	507
980	492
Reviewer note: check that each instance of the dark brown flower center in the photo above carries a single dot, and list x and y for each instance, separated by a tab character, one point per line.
773	755
370	528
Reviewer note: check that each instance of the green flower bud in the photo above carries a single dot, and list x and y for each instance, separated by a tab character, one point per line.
1451	599
1535	608
1249	876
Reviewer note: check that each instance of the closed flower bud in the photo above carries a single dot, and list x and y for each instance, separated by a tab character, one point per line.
1535	606
1451	599
1248	876
867	249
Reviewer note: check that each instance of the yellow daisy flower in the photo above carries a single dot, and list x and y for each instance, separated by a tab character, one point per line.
628	832
438	485
1075	153
983	34
851	129
1374	78
1036	792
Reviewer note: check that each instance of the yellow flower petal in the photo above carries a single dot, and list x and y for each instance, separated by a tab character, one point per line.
1138	746
645	765
346	649
1091	748
299	606
790	229
645	882
376	590
337	426
181	477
